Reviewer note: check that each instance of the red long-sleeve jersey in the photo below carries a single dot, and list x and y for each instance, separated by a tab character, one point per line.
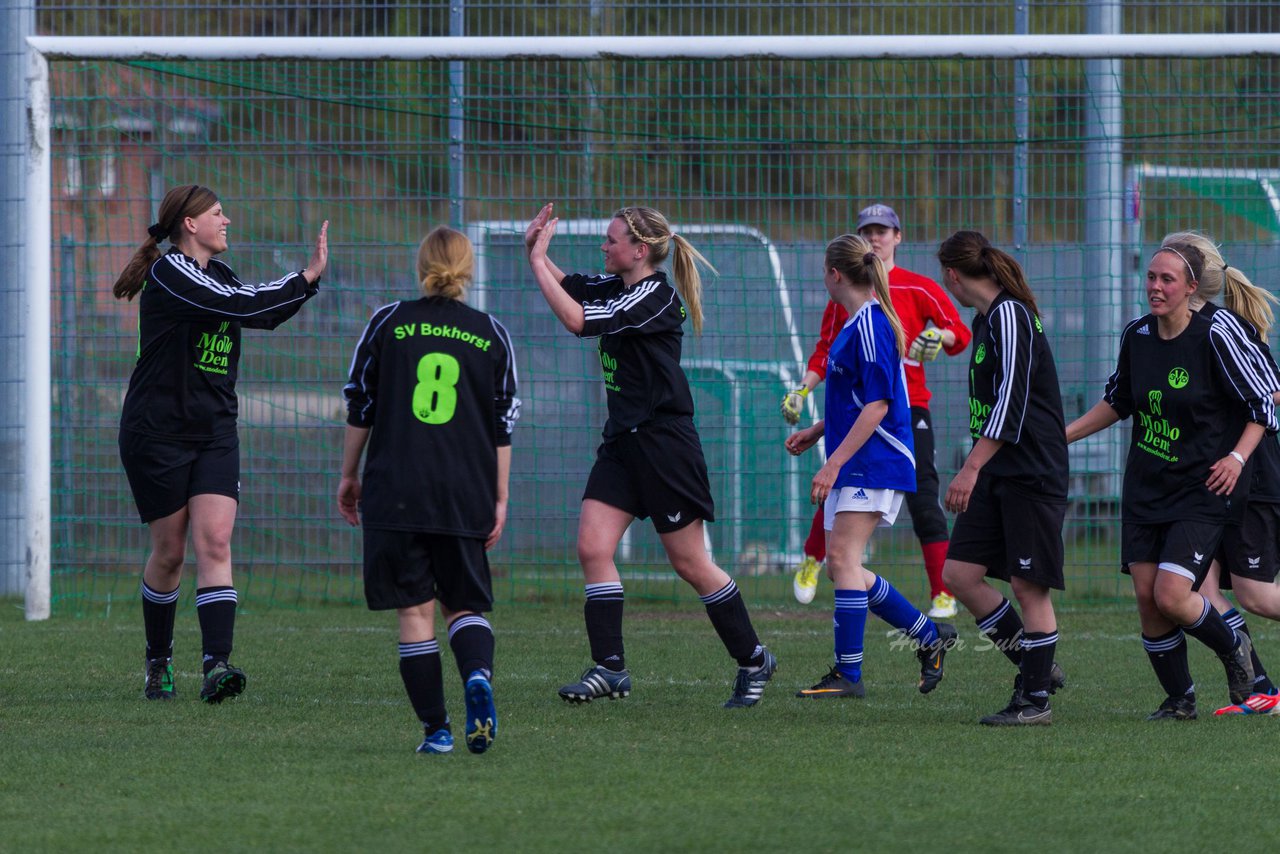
919	301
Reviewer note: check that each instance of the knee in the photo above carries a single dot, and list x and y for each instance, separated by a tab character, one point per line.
213	548
1169	600
168	555
592	552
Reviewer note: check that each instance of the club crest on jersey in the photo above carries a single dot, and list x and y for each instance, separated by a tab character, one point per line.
1178	378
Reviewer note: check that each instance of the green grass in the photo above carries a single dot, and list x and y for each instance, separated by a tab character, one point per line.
317	755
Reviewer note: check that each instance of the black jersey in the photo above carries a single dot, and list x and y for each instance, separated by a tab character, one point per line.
189	319
436	381
1190	397
1014	398
640	334
1262	479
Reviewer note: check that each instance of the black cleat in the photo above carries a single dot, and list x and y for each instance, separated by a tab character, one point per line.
834	684
931	656
748	685
598	682
1239	666
222	682
1020	712
159	684
1175	709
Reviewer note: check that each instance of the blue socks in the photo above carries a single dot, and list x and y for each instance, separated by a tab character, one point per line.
892	607
850	626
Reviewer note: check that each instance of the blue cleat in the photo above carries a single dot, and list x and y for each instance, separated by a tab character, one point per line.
440	741
482	719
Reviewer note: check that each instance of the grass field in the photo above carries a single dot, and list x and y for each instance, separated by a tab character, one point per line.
317	755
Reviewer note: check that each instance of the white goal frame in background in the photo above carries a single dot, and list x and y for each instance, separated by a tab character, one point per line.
37	242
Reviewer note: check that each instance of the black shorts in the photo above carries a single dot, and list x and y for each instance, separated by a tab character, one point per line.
164	474
1248	550
1011	534
657	471
1189	545
407	568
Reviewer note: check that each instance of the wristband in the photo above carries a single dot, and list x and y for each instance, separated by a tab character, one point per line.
1238	457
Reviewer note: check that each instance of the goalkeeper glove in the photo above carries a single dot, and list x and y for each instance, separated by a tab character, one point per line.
926	346
792	403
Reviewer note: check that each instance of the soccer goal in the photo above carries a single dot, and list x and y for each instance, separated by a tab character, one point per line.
762	148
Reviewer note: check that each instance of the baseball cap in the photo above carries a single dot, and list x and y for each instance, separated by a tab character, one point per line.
878	215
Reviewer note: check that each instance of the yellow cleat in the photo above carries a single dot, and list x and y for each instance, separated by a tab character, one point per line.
944	607
805	585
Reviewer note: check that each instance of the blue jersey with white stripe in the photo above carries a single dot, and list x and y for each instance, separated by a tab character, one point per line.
639	327
864	366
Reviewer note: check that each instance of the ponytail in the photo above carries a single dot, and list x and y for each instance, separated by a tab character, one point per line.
446	263
1239	294
134	274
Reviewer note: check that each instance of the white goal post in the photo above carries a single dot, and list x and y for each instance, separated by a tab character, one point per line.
36	189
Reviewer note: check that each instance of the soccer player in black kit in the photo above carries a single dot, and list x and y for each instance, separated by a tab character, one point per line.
432	392
1247	561
1011	492
650	463
178	438
1198	413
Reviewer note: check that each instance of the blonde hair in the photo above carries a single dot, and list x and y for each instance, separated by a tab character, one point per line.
851	255
189	200
650	227
971	254
1239	294
446	263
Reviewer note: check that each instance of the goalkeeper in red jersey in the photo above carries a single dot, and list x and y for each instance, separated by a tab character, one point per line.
932	326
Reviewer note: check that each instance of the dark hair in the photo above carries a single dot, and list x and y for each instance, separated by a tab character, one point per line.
179	203
851	255
972	255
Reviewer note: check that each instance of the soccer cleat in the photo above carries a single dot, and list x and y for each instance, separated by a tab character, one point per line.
598	682
834	684
931	656
482	719
805	585
440	741
222	682
1258	704
1175	709
159	684
1057	678
1020	712
748	686
1239	666
944	607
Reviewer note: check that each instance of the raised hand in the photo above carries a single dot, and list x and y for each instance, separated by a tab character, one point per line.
319	256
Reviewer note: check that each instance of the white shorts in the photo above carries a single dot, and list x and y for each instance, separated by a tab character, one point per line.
856	499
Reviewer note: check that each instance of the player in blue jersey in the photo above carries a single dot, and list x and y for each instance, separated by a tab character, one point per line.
1199	408
650	463
870	465
432	392
178	436
1011	492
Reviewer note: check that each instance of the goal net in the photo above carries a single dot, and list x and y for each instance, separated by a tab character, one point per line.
760	161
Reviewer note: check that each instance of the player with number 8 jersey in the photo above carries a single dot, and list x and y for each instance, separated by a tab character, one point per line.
432	392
